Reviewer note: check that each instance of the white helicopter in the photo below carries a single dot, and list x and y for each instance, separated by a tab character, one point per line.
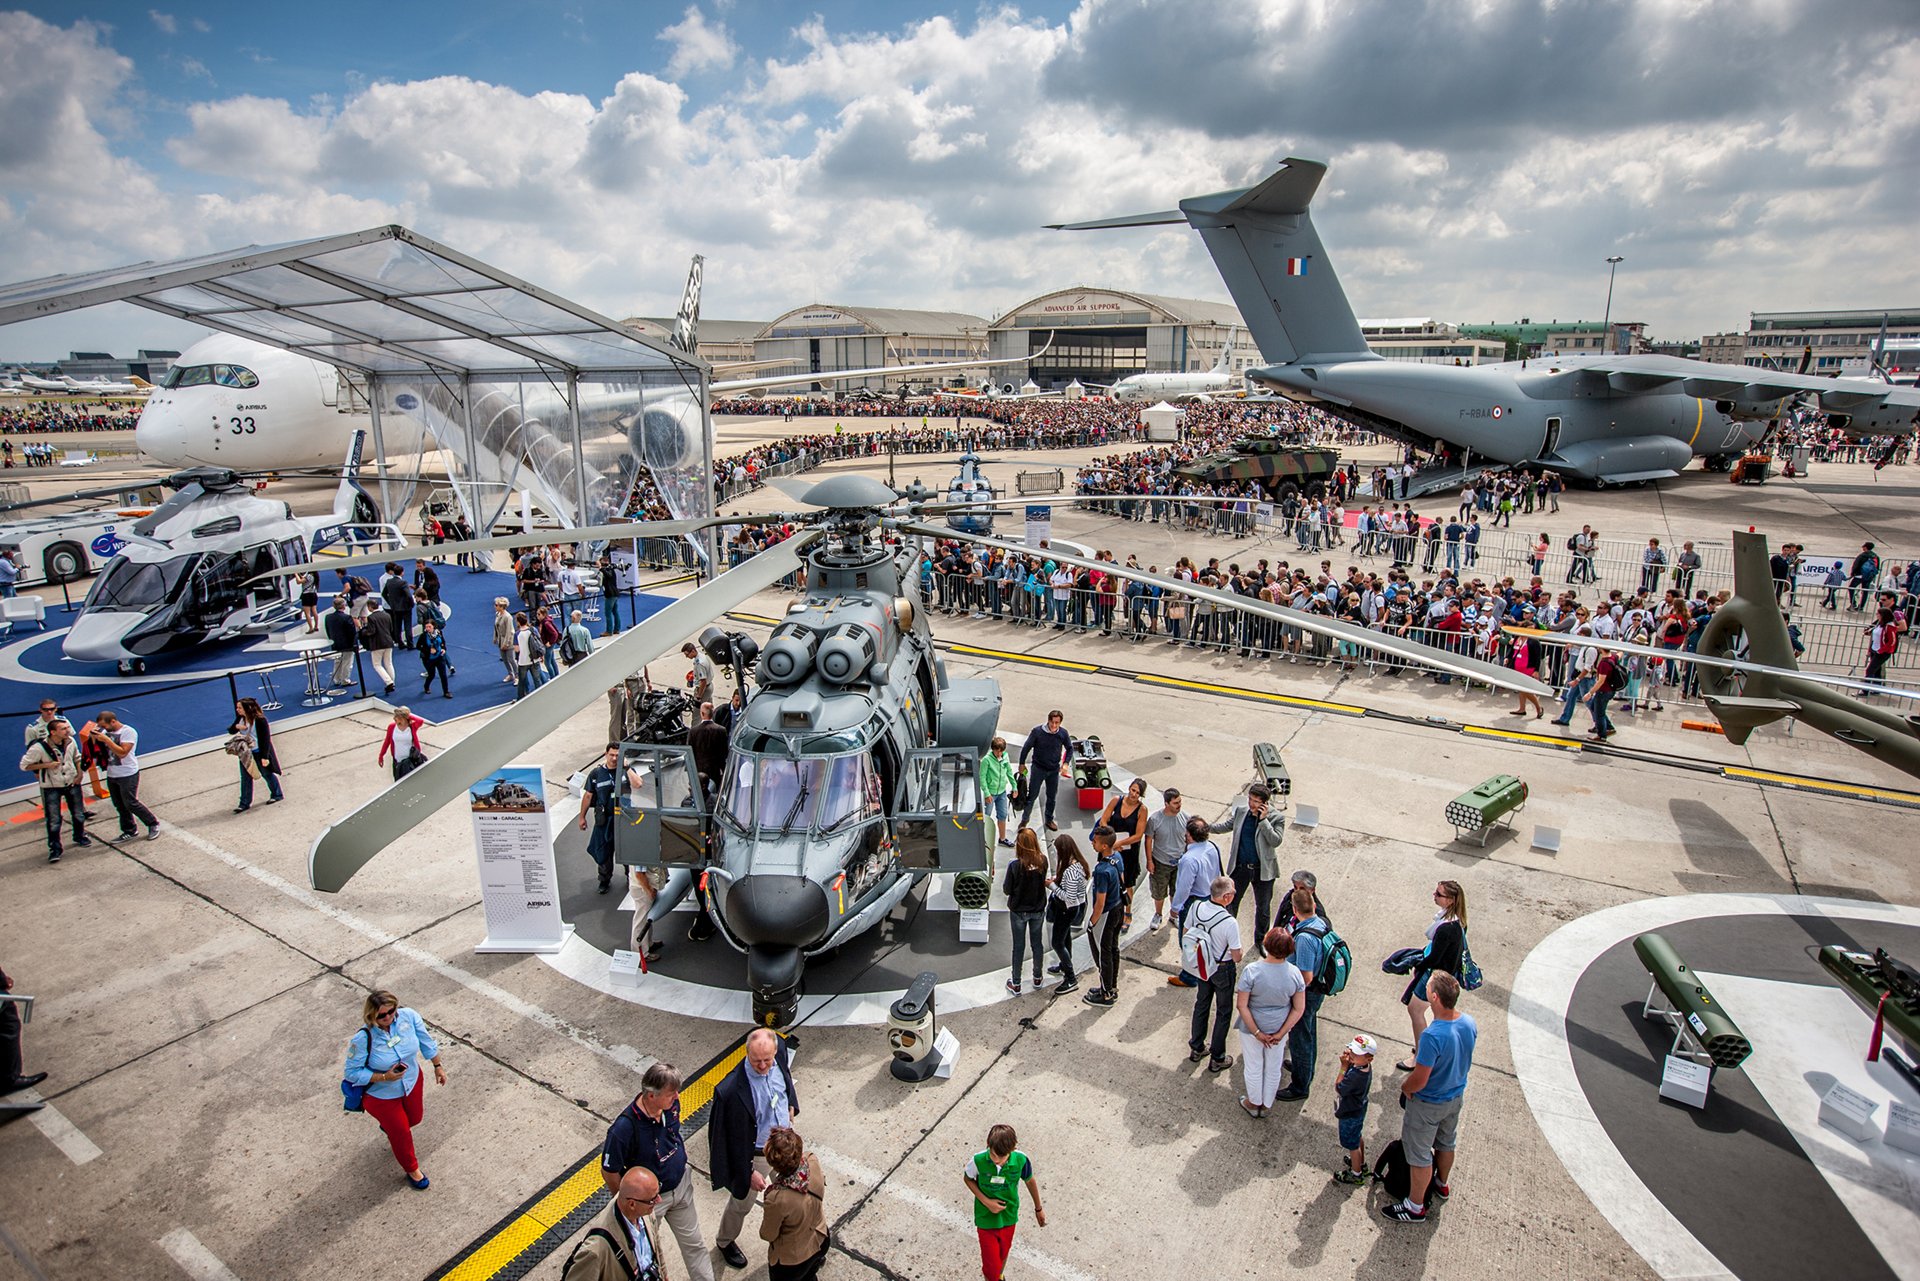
189	571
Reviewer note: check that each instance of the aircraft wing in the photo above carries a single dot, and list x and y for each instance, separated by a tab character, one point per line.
1634	374
730	385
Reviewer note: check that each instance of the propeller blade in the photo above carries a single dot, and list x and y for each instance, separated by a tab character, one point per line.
346	846
1458	664
538	538
1713	660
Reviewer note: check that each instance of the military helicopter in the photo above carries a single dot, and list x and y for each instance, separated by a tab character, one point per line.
852	772
1751	679
181	574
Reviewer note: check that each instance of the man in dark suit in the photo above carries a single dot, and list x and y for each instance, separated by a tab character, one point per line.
708	742
750	1101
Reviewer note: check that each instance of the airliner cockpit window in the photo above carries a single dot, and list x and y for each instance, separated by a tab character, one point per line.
202	375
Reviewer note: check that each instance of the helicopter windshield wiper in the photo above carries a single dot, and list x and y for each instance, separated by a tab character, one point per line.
793	811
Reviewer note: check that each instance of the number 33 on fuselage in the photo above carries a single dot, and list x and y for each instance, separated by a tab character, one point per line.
229	402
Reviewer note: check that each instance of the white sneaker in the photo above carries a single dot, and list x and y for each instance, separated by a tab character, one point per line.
1157	922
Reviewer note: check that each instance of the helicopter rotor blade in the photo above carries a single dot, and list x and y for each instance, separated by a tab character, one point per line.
537	538
79	496
1570	641
343	848
1427	655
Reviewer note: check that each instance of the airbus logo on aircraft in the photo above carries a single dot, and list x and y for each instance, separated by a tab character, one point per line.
406	400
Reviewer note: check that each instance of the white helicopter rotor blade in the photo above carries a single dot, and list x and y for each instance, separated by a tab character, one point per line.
1567	641
1427	655
343	848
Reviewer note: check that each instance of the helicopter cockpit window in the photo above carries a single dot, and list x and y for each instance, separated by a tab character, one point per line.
774	793
141	588
853	793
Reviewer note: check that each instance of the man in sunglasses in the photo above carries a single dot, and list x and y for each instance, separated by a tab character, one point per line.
620	1245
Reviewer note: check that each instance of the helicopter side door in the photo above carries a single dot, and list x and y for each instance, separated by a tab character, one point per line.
662	815
938	821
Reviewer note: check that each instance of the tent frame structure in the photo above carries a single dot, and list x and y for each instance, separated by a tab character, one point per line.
394	306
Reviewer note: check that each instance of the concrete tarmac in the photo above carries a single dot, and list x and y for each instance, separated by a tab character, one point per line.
196	1000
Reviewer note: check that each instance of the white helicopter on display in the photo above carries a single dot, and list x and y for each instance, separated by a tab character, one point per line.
189	571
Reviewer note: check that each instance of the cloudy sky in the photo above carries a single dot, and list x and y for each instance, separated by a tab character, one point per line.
1487	155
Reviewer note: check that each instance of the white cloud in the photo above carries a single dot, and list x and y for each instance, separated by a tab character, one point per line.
915	166
698	46
167	23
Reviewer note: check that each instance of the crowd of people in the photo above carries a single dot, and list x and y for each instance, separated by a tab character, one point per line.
42	416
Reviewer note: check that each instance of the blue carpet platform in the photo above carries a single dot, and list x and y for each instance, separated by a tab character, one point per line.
188	698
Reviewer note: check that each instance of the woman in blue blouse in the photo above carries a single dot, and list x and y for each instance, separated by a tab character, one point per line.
383	1057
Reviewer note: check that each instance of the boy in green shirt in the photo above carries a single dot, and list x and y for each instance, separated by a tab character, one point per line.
994	1178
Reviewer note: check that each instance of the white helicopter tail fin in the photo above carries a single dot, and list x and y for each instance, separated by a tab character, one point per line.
686	322
352	502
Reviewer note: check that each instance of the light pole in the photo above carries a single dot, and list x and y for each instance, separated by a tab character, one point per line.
1606	323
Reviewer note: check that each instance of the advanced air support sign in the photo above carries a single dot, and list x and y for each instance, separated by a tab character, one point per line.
513	843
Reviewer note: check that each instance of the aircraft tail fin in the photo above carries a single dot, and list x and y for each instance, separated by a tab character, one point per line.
1759	610
1266	249
352	501
1224	365
686	322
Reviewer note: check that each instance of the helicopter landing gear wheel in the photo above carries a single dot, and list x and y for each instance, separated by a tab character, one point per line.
131	667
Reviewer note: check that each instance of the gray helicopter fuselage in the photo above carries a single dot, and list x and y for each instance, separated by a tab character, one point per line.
807	845
1540	413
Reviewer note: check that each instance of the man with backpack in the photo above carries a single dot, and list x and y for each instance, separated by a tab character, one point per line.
1210	951
1323	960
620	1246
1432	1095
1861	576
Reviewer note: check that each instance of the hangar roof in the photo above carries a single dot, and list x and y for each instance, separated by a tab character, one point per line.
878	320
1176	311
386	300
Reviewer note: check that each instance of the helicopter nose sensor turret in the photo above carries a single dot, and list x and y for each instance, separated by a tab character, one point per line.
777	916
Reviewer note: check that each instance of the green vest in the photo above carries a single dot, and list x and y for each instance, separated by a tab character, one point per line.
1002	1183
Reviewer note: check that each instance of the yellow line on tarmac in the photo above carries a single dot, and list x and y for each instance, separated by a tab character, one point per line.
1545	740
1012	657
1291	700
512	1238
1821	785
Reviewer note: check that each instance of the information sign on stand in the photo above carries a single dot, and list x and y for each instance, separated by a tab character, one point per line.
1903	1127
513	844
1850	1112
1039	525
1685	1081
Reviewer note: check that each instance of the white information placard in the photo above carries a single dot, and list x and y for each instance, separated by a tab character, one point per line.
513	845
1039	524
1850	1112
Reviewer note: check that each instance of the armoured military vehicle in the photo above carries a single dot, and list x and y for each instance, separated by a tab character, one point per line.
1276	466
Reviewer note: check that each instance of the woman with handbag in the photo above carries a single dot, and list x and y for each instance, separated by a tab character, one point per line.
250	739
383	1067
411	760
1446	950
793	1219
1066	904
1025	885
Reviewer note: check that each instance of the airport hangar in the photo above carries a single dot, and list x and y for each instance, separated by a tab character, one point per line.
1084	332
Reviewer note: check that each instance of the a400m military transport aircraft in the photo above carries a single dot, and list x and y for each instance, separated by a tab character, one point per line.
1608	419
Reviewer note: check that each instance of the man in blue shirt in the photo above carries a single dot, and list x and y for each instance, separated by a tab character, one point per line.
1198	866
1432	1094
1105	918
748	1103
647	1136
1309	950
